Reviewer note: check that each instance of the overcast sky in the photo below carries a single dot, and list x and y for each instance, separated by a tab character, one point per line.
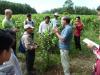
43	5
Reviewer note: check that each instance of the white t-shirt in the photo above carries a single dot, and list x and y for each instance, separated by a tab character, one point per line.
44	27
29	22
54	22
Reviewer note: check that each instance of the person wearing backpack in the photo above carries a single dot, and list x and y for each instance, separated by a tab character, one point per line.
30	47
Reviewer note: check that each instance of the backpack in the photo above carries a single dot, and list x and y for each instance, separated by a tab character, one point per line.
21	47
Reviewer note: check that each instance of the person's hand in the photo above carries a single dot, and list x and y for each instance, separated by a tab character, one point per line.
55	30
35	46
15	30
90	45
94	66
99	37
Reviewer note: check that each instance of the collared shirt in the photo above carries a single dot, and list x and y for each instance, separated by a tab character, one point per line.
44	27
67	36
27	41
7	24
30	22
54	22
78	29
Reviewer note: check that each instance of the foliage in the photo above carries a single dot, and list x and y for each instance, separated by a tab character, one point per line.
16	7
98	8
48	42
69	8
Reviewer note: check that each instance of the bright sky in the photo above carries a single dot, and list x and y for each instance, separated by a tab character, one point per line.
43	5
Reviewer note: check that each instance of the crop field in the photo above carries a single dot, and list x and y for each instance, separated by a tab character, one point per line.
47	60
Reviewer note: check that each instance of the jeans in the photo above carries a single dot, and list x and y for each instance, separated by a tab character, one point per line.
65	61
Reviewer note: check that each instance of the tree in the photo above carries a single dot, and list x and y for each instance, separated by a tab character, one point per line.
68	6
98	8
17	8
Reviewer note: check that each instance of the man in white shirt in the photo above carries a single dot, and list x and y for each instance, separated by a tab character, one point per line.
29	20
44	25
55	21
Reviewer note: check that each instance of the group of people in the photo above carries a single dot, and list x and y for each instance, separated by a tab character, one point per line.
9	64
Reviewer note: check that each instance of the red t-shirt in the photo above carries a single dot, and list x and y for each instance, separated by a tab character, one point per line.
78	29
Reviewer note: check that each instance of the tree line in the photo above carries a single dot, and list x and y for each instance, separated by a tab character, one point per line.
17	8
69	8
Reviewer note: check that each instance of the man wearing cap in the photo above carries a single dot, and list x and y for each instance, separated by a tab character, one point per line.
28	43
64	43
55	21
8	24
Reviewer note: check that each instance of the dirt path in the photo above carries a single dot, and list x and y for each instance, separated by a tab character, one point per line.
79	66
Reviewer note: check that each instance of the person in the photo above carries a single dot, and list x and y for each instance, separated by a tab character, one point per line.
64	43
77	32
29	45
96	51
55	21
8	23
7	67
45	25
29	20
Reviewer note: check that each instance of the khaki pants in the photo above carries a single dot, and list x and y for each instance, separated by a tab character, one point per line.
65	61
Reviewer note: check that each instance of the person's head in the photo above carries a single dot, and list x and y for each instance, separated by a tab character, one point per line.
29	16
78	18
56	15
28	28
65	20
8	13
47	19
6	42
98	11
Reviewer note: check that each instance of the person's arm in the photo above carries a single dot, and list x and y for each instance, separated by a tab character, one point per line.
81	27
25	22
3	24
40	28
61	37
33	23
96	51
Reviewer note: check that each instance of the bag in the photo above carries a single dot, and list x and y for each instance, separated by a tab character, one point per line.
21	47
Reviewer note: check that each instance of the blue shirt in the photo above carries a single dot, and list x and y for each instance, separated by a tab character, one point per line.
67	36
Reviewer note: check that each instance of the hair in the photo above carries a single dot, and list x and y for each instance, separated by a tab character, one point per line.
6	41
47	17
8	11
29	15
78	17
98	8
67	19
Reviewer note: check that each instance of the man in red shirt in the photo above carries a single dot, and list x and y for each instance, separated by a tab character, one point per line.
77	32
